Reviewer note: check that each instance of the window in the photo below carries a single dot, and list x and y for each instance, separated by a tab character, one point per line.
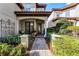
28	9
40	9
28	5
67	13
58	15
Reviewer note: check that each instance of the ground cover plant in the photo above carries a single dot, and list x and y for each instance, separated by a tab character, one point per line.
66	46
10	50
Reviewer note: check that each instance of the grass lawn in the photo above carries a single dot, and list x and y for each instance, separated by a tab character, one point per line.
66	46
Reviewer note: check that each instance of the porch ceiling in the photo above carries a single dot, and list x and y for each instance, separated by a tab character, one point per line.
33	13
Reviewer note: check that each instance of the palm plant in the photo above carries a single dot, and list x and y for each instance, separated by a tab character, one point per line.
5	49
20	50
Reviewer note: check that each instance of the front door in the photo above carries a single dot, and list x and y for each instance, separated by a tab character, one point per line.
29	27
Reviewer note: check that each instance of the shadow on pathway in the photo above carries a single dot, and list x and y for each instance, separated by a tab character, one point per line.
40	48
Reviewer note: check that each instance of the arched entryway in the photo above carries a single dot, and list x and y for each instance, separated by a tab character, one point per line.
29	25
32	16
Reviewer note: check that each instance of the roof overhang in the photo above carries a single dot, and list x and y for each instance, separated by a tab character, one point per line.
32	13
20	5
66	7
68	18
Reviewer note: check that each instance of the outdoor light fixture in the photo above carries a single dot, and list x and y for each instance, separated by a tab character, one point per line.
31	24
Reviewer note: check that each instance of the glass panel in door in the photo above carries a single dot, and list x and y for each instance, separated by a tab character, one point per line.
29	27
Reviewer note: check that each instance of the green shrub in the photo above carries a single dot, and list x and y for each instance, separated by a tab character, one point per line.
65	31
5	49
30	37
9	50
66	46
73	28
51	30
13	39
20	50
62	25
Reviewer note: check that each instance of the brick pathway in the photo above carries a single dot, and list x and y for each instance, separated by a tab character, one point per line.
40	48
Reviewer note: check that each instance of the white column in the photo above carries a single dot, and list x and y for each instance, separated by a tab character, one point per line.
50	18
17	27
35	25
46	26
42	28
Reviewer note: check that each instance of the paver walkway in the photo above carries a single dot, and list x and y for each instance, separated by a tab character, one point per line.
40	48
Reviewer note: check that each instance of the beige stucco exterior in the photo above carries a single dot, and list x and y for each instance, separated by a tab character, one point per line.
7	13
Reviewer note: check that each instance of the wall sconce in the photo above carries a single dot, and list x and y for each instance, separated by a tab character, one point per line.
31	24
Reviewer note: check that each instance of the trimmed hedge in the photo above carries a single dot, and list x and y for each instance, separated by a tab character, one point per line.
66	46
12	39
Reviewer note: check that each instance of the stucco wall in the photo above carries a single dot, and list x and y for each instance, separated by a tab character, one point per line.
73	12
77	23
7	13
8	9
77	11
51	24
